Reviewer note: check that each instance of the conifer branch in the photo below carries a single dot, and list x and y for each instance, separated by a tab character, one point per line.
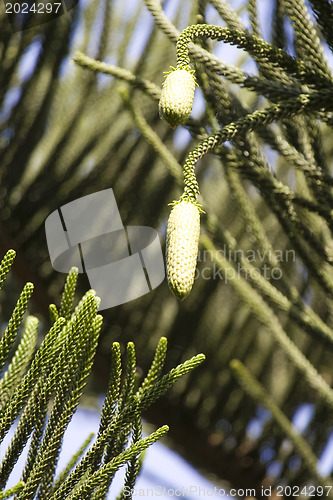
305	317
66	304
54	314
11	491
308	46
266	315
37	367
84	491
58	373
45	462
20	360
227	14
121	421
257	47
152	394
151	136
10	332
201	55
113	393
133	467
156	366
278	26
257	392
5	265
123	74
49	147
323	10
253	14
313	101
72	462
161	19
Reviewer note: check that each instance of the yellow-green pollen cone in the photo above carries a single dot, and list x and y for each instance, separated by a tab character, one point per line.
182	243
177	96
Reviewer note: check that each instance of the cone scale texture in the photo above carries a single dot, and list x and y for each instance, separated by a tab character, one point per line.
177	97
182	242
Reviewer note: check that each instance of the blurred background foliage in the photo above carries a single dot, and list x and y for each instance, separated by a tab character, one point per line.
66	132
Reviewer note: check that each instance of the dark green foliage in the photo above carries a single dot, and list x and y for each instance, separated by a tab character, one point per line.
323	10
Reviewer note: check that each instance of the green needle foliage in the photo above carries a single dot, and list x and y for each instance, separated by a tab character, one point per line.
298	90
256	154
42	389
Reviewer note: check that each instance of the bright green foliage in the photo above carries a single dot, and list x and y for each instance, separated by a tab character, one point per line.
10	332
73	461
46	394
11	491
6	264
156	366
20	361
66	305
